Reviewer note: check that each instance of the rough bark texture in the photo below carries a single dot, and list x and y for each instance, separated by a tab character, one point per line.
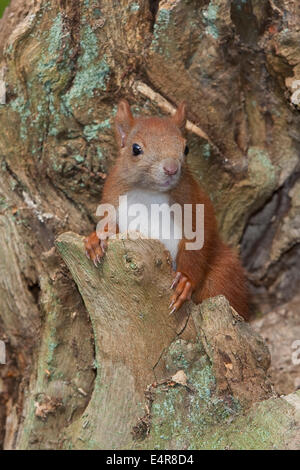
160	381
65	65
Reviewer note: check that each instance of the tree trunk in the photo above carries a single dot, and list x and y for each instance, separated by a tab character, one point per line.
63	67
160	381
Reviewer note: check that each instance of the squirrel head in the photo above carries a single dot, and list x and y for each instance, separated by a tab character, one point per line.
152	149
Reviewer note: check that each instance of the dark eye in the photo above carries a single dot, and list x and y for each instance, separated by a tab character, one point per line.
186	150
136	149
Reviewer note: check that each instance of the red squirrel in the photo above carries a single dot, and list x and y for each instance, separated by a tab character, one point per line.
152	168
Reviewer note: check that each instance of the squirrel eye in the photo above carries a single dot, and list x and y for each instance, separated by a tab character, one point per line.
136	149
186	150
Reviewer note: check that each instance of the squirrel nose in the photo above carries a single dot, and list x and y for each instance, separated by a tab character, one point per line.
170	167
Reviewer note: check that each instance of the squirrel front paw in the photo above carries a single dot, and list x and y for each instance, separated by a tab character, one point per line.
183	291
95	248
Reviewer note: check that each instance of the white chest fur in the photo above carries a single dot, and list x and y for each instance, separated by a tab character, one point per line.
147	212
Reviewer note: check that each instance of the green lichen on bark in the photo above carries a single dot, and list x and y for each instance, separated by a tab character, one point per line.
65	65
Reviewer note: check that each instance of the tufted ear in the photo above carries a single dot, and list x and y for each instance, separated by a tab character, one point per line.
123	122
179	118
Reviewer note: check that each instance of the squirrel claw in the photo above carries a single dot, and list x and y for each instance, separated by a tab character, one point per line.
172	311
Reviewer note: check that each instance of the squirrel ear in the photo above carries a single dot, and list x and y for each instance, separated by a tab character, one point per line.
179	118
123	122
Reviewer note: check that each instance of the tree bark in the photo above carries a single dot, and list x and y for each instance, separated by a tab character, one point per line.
64	66
203	368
